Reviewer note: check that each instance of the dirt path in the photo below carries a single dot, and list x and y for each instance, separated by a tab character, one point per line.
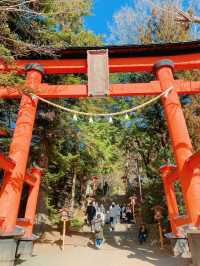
119	250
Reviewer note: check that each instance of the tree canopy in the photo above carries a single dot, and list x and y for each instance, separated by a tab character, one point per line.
77	150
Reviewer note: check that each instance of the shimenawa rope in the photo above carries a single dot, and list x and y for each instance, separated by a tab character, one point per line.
127	111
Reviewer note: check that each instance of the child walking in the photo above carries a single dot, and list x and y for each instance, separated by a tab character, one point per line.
98	231
142	235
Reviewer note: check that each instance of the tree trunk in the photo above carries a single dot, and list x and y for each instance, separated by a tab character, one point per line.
73	191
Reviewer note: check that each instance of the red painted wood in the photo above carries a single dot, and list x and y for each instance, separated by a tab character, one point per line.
182	146
24	222
169	176
6	163
180	138
128	64
194	161
182	220
19	150
76	91
32	201
30	179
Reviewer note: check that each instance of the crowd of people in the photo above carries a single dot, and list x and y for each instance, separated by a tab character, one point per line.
115	213
97	216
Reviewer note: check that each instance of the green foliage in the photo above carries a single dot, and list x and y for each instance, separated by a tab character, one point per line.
147	137
76	224
153	192
25	30
53	212
67	148
179	198
11	78
45	23
5	54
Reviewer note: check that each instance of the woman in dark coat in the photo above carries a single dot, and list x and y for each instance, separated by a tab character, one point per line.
91	213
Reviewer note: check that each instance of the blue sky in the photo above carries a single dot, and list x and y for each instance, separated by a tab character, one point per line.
103	11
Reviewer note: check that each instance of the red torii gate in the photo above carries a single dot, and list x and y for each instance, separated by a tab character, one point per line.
162	60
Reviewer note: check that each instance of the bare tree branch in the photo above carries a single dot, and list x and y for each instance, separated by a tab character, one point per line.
186	18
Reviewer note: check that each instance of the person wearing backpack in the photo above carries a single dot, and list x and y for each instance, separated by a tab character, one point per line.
98	231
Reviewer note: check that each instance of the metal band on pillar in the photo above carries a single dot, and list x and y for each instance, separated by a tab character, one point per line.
163	63
37	67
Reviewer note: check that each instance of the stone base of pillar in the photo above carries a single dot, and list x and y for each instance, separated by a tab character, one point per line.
25	247
8	248
194	244
179	246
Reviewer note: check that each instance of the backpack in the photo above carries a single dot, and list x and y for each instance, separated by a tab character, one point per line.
97	226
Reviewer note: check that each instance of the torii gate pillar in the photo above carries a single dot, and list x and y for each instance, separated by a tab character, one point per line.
26	242
13	180
182	147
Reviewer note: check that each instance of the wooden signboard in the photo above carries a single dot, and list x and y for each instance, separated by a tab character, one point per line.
65	217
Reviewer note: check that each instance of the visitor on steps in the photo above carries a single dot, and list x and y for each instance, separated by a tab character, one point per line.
96	205
102	208
128	214
113	216
118	212
123	214
98	230
101	212
142	234
90	213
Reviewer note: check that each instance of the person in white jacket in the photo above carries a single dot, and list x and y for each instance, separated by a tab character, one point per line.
118	210
113	216
101	212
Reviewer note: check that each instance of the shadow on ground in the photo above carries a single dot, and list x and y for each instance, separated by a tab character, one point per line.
125	239
128	241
